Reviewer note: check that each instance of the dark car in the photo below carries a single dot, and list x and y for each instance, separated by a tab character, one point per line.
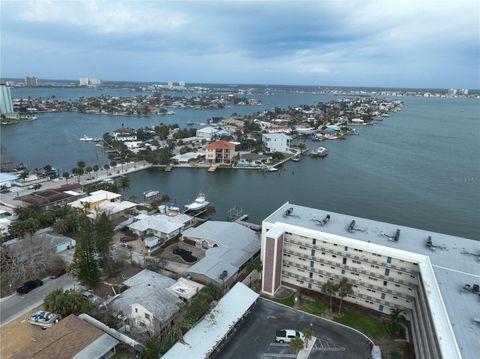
130	238
58	273
28	286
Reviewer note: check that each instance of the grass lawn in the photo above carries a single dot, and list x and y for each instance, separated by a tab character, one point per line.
312	306
370	326
285	301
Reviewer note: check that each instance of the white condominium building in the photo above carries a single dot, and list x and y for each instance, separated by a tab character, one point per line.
433	277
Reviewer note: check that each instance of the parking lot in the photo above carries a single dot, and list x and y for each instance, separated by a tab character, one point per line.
255	337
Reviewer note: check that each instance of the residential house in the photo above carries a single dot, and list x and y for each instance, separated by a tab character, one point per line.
229	247
207	133
105	202
124	134
47	199
220	152
276	142
160	225
253	160
71	337
152	300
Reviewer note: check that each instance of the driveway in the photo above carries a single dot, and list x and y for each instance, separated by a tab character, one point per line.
255	337
15	305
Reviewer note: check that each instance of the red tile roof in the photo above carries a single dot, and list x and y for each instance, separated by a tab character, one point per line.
225	145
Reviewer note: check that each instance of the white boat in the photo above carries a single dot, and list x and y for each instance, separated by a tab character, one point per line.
330	137
272	169
86	138
150	194
190	123
44	319
199	204
170	113
319	152
296	159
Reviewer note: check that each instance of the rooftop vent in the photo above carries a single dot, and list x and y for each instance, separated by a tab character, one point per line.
288	212
397	235
324	221
431	246
223	275
351	226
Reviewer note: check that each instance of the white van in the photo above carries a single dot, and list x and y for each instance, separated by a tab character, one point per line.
286	335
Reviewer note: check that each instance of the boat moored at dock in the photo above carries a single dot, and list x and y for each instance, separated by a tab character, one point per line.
199	204
319	152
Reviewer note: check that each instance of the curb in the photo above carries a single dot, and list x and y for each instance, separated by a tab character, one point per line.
316	316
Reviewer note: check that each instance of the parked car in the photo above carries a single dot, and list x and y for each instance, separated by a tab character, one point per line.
90	296
286	335
130	238
29	286
58	273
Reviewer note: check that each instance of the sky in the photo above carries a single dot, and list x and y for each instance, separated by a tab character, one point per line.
388	43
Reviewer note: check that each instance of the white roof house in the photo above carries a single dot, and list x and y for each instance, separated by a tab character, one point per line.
95	198
161	225
207	132
200	341
103	202
276	142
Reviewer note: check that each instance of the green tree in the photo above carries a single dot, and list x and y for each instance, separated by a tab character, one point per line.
24	175
81	164
344	289
88	170
152	348
104	237
124	183
47	168
297	344
329	288
66	303
308	333
107	167
113	163
96	168
66	175
84	265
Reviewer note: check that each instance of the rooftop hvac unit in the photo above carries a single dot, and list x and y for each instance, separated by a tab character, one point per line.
223	275
288	212
397	235
351	226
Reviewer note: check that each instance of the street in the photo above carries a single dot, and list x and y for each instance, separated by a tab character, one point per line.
15	305
119	170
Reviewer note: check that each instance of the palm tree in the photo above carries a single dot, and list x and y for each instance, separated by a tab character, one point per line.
329	288
24	175
66	175
106	167
396	315
308	334
297	344
47	168
95	169
88	170
81	164
344	289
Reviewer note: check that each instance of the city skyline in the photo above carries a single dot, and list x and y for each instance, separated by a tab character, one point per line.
369	43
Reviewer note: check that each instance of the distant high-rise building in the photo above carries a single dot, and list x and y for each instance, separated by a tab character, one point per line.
181	83
6	105
31	81
170	84
89	81
463	92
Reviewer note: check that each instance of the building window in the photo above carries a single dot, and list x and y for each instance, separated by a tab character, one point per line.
383	295
313	252
385	283
380	308
147	316
387	271
312	263
310	285
136	310
314	241
343	271
389	259
311	275
344	260
346	248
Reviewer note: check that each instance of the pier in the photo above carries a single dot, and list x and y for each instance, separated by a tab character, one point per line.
242	220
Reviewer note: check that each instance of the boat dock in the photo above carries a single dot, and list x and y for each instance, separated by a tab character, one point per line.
242	220
168	168
212	168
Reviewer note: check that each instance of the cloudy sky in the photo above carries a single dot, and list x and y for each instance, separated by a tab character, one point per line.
397	43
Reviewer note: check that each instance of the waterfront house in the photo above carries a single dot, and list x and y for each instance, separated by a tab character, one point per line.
253	160
276	142
47	199
160	225
71	337
124	134
105	202
207	133
222	152
229	247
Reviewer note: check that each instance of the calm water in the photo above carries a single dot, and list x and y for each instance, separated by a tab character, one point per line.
419	168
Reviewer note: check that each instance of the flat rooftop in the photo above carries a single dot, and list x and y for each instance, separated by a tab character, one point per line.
455	260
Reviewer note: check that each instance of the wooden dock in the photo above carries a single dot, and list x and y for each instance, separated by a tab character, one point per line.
168	168
212	168
252	226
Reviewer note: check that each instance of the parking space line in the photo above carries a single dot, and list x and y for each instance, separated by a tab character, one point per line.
274	355
279	345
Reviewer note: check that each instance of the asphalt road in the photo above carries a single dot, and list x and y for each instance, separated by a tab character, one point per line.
15	305
255	337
